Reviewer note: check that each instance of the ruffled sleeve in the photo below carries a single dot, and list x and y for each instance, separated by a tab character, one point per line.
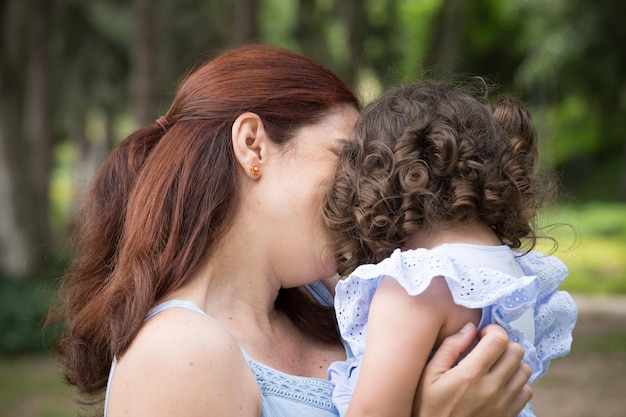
470	287
555	311
506	297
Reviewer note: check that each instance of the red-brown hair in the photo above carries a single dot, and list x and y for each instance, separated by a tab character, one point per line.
162	200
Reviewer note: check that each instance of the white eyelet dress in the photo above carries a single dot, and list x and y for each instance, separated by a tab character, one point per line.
517	291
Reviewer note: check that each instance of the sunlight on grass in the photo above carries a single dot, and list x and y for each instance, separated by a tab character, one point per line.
592	243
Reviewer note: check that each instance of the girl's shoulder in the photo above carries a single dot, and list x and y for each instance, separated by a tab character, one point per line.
186	363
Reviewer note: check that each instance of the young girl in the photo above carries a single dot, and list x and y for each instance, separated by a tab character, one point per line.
435	199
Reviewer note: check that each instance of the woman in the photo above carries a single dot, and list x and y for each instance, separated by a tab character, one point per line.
186	296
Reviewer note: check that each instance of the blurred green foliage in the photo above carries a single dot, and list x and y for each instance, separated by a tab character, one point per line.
24	305
592	242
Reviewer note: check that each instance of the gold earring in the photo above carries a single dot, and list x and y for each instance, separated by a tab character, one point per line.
255	170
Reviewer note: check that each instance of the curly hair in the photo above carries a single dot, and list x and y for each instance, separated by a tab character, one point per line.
428	154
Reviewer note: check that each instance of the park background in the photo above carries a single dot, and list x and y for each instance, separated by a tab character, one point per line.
77	76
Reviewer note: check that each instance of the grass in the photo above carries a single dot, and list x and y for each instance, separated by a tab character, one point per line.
31	386
610	342
592	243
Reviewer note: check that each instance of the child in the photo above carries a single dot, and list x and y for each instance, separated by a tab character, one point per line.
434	199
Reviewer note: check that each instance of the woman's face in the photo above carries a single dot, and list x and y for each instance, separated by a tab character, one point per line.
301	247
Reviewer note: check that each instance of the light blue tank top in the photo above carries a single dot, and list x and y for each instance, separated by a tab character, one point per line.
283	395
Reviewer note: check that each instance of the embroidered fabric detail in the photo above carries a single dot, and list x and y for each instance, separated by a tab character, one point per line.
310	391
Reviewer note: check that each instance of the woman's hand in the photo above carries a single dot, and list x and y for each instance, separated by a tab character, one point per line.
489	382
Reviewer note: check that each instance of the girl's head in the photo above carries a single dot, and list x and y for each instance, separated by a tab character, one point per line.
169	192
429	155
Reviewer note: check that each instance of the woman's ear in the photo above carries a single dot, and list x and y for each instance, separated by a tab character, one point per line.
250	143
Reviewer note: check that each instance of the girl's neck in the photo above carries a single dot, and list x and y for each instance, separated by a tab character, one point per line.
472	232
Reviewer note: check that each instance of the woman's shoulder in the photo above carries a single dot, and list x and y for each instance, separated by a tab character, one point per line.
184	331
182	362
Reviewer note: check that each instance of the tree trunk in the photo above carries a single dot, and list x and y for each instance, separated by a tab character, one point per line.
25	137
143	70
38	130
13	240
354	20
444	47
622	180
310	31
245	27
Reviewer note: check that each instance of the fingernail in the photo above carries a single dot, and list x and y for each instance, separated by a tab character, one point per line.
467	327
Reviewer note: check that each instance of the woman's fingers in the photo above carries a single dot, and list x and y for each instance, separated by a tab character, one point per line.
508	371
497	362
443	391
489	381
516	392
508	363
449	352
492	346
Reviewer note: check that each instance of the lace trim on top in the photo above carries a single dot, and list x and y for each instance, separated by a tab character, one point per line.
273	383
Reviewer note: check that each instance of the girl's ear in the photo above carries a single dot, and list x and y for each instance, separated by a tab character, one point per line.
250	143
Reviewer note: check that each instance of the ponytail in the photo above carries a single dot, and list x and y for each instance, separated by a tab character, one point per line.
96	250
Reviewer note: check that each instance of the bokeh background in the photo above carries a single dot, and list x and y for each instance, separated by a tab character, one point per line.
77	76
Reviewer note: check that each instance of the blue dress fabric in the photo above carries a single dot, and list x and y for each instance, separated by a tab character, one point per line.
517	291
285	395
282	395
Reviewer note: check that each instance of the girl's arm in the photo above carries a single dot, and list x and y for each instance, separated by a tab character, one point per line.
402	332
